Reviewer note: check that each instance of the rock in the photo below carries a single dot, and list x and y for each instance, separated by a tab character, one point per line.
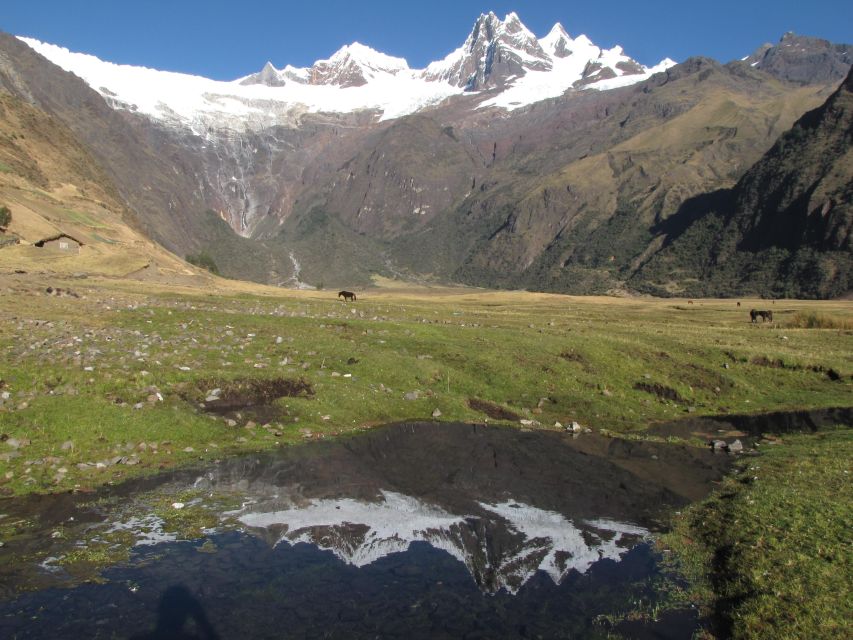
719	445
139	405
736	447
279	340
68	445
436	413
211	398
606	392
575	427
178	505
230	422
558	425
411	395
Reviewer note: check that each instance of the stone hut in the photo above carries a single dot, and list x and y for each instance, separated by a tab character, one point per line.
61	242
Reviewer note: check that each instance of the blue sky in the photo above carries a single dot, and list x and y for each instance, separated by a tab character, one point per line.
226	39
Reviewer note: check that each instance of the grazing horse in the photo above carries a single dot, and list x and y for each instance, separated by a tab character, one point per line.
766	316
690	302
347	295
738	304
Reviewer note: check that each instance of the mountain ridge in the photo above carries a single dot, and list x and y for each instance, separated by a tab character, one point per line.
567	193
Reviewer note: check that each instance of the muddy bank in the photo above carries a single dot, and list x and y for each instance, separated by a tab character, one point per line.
756	425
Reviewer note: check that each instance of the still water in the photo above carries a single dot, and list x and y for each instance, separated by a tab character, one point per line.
417	530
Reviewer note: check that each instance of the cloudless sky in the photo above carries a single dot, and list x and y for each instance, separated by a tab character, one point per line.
227	39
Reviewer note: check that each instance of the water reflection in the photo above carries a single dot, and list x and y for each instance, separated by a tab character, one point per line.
414	530
502	547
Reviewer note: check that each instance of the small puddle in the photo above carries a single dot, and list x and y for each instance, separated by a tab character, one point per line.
414	530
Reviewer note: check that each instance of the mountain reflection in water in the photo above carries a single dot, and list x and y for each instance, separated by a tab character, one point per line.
346	537
516	541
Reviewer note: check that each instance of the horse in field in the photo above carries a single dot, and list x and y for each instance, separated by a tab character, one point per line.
347	295
766	316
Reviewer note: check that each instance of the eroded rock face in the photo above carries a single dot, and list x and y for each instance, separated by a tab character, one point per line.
803	60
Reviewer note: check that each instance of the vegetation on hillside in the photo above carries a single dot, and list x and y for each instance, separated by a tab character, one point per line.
203	260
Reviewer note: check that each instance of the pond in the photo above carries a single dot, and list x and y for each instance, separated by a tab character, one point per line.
415	530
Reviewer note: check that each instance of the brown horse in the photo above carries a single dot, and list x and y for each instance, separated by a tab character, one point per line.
347	295
766	316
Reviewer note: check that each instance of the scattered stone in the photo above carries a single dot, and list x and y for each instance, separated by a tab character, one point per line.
68	445
558	425
719	445
188	450
736	447
335	374
279	340
139	405
178	505
436	413
411	395
606	392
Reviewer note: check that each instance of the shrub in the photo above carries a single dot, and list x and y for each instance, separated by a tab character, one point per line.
814	320
5	217
202	259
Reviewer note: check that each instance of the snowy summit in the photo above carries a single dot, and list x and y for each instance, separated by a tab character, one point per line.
500	59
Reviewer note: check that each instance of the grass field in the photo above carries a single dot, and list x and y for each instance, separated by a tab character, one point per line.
128	363
108	378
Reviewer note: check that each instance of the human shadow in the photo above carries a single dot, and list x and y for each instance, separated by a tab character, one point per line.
177	608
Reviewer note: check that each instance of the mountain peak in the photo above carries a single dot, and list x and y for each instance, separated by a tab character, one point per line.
495	51
354	65
803	59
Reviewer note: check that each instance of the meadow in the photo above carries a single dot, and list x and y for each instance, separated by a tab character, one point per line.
105	379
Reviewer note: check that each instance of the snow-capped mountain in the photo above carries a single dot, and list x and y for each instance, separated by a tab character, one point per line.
353	65
494	52
501	56
502	547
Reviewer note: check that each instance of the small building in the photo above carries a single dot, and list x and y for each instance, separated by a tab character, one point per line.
61	242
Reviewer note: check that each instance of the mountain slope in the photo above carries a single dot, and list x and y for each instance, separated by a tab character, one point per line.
786	227
518	181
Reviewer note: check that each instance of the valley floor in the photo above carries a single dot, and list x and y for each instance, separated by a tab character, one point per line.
104	379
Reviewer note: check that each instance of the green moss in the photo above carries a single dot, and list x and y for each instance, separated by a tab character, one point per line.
770	552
